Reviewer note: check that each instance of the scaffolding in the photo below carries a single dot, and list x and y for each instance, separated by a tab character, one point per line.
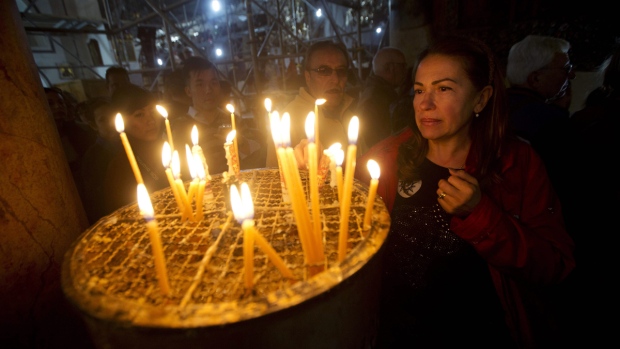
259	43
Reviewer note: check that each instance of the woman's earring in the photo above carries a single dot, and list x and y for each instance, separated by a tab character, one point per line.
477	115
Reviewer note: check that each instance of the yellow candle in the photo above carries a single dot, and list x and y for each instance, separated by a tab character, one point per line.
339	157
200	174
164	113
269	251
231	158
241	212
120	127
274	120
318	102
345	204
196	149
231	110
166	157
146	208
193	185
375	172
176	171
313	177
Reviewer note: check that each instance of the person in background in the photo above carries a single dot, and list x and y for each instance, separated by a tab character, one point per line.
116	77
389	70
477	233
100	116
144	127
539	72
175	100
325	70
212	121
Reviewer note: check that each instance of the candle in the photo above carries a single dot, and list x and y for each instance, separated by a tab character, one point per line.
239	211
274	120
345	204
166	157
375	172
176	171
318	102
193	185
243	209
197	149
200	173
146	209
120	127
331	152
231	159
164	113
312	247
313	177
231	110
339	158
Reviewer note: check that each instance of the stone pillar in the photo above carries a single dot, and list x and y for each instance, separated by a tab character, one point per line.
40	209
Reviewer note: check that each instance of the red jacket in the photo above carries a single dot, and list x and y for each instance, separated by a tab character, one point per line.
517	228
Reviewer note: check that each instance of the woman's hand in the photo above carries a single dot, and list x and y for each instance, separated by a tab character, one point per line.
459	194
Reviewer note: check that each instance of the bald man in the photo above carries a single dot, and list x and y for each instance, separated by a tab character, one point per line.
389	69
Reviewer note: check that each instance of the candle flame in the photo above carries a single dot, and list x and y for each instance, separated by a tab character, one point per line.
190	161
332	148
320	101
194	135
230	108
310	127
144	203
120	125
235	203
162	111
166	154
175	164
231	136
274	121
268	105
285	129
354	126
374	169
246	201
339	156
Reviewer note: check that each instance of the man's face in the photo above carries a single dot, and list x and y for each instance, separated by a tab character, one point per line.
115	81
555	78
326	76
204	89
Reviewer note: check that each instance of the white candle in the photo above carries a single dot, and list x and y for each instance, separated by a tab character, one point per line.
375	172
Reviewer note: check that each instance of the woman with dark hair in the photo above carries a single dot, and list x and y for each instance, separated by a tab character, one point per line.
144	128
477	232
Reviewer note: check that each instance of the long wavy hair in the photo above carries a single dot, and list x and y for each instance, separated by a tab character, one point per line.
488	131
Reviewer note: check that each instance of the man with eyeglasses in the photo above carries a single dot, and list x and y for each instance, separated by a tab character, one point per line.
326	64
540	72
389	69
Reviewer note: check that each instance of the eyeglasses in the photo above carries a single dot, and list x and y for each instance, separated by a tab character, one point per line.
567	68
327	71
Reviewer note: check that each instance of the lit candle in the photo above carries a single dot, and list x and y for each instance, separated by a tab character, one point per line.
318	102
231	159
176	171
166	157
164	113
231	110
375	172
146	209
193	185
274	121
200	172
339	158
120	127
243	209
313	248
239	212
313	177
345	204
197	149
330	153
